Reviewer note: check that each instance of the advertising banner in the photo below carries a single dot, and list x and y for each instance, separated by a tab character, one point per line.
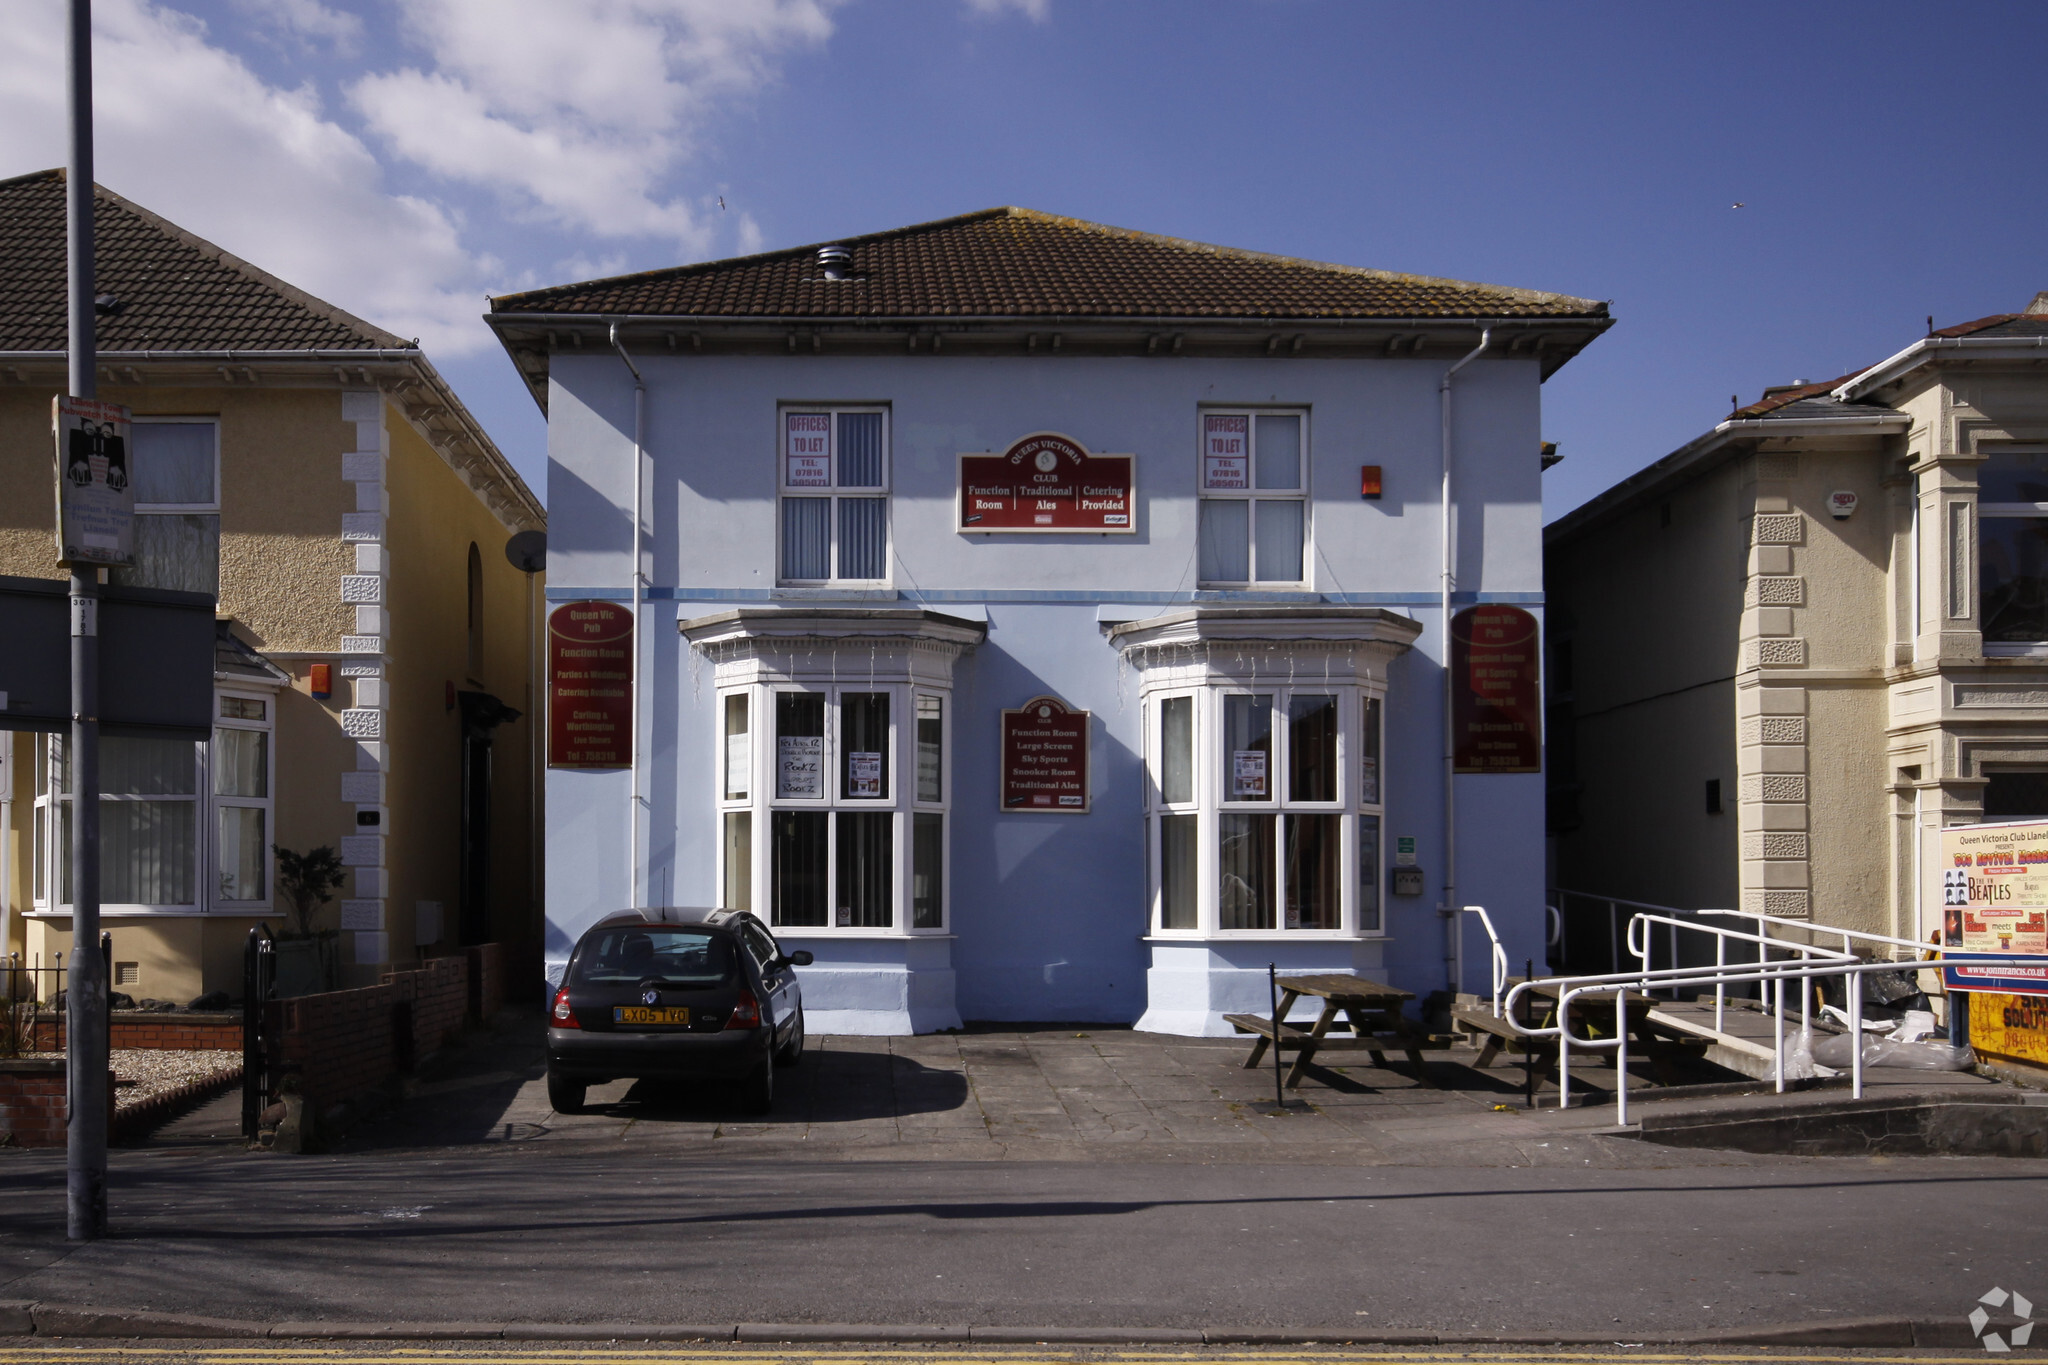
95	500
590	686
1496	697
1044	483
1045	758
1994	903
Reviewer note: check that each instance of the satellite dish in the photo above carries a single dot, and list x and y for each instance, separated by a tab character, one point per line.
528	551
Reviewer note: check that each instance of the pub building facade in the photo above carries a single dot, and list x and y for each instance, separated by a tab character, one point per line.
1041	621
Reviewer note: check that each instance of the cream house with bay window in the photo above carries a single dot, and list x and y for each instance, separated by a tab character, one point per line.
1786	655
373	646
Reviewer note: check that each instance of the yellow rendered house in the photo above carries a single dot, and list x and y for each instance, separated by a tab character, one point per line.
373	685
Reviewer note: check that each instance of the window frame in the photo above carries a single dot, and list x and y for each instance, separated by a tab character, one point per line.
900	800
1999	511
1358	703
833	493
267	803
1252	495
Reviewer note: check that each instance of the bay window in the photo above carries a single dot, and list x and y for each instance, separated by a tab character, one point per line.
2012	549
854	833
1264	808
184	826
834	504
1253	499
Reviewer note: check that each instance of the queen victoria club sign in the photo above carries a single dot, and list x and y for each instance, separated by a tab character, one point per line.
1045	758
1047	483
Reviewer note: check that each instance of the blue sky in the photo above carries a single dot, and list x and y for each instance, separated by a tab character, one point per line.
405	157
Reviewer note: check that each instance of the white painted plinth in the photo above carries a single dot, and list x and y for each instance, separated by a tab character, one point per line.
1190	986
880	987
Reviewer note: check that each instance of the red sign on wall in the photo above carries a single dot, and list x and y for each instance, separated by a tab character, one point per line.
1045	758
590	686
1047	482
1496	699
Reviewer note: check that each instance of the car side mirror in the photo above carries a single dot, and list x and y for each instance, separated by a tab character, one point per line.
799	958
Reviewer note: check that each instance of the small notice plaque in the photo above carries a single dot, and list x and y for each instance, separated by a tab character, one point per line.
1045	758
1497	710
590	686
1047	482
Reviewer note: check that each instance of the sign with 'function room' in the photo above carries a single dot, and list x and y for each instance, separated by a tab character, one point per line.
1047	483
1496	702
590	686
1045	758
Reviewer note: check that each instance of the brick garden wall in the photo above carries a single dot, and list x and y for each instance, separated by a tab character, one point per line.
344	1043
32	1102
220	1032
486	980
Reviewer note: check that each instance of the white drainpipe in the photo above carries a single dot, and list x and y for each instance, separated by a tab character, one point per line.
639	583
1449	908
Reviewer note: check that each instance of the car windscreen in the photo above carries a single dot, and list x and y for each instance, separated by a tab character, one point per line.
633	953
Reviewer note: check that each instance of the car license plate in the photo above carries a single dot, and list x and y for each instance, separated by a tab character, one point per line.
651	1014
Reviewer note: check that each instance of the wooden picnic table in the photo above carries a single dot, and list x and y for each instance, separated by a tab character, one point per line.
1373	1011
1593	1012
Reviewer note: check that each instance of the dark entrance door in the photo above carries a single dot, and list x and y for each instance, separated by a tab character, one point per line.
482	713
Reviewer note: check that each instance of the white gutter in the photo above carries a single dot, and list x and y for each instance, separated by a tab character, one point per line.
1927	349
639	586
1448	907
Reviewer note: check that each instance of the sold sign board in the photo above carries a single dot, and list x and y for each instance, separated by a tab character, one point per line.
95	499
1047	483
590	686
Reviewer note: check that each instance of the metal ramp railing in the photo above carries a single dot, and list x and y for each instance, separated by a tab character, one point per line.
1806	963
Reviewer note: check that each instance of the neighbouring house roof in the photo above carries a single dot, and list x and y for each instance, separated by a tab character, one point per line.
1014	262
176	292
235	659
176	299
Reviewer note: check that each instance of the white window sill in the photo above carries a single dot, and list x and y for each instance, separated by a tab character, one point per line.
2014	650
1267	936
784	932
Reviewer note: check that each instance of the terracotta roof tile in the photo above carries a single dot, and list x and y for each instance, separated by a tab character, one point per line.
1012	262
177	292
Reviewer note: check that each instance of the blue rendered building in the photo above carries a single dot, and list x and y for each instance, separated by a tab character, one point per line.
1176	509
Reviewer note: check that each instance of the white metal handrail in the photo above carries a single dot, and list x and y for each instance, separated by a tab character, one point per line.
1639	945
1614	923
1500	954
1802	969
1849	936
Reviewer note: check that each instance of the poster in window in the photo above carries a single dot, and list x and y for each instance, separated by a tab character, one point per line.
1369	781
807	458
1496	707
1994	899
863	774
1045	758
1046	482
800	765
1248	775
1226	452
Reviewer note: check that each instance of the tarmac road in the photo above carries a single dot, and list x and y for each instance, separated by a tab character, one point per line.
658	1236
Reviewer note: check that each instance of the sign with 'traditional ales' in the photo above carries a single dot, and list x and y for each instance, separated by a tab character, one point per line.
1045	758
1047	482
1496	703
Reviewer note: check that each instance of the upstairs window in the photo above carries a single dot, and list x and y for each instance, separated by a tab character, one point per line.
176	471
2012	553
834	482
1254	509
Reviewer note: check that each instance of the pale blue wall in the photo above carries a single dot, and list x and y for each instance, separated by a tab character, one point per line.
1048	910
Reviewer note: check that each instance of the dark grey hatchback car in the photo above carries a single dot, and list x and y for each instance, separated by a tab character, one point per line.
675	992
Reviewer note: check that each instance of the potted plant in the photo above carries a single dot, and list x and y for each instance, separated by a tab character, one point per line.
307	881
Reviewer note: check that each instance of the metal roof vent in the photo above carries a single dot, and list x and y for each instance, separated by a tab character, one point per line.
836	261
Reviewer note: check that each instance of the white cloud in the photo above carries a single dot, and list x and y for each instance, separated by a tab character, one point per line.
1037	11
577	111
188	131
308	21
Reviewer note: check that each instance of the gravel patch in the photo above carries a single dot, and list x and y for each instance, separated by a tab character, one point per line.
141	1074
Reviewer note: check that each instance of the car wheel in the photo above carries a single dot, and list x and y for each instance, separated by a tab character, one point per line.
564	1095
792	1052
757	1093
